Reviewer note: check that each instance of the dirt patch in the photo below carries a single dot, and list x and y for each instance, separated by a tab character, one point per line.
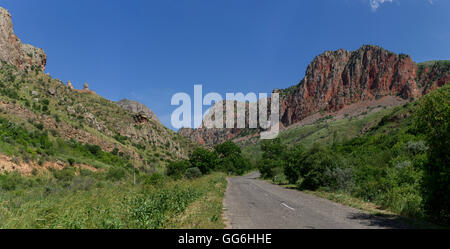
9	164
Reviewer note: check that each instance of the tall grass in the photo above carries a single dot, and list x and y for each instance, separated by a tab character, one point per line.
92	200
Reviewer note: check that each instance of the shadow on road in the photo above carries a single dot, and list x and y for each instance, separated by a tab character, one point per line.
382	220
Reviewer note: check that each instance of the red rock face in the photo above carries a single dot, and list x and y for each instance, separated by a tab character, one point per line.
433	76
339	78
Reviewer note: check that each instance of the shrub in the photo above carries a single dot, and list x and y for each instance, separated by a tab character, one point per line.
154	179
116	173
93	149
10	181
64	175
339	178
192	173
71	161
177	169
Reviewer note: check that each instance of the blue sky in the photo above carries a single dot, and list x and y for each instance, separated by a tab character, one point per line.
148	50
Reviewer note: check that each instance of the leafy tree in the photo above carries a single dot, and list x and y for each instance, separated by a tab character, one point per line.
273	149
294	159
273	157
267	166
231	159
433	119
314	166
203	159
227	149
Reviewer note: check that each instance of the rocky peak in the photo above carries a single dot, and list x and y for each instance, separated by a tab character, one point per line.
142	112
12	51
335	79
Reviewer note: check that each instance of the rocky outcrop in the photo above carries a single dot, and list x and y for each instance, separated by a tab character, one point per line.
142	112
339	78
69	85
12	51
336	79
433	74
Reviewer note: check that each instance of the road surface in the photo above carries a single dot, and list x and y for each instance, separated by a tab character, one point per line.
254	204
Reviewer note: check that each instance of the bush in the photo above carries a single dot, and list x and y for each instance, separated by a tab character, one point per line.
10	181
116	173
339	179
65	175
153	179
192	173
71	161
177	169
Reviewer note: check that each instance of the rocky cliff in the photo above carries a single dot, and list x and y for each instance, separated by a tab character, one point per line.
12	51
336	79
339	78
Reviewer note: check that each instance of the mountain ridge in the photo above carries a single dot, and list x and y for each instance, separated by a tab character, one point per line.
335	79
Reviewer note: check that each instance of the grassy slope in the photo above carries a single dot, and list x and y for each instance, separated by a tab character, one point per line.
324	131
94	201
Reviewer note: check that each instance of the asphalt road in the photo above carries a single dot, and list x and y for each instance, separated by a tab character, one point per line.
254	204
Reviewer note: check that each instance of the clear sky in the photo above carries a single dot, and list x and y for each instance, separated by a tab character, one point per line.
147	50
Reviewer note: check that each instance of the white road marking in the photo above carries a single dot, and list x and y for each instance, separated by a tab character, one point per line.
284	204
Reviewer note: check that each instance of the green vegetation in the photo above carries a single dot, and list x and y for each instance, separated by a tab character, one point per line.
400	162
433	119
226	157
75	198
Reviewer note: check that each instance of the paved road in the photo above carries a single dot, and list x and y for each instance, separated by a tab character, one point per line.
255	204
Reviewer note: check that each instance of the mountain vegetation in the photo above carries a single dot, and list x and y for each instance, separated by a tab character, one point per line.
400	162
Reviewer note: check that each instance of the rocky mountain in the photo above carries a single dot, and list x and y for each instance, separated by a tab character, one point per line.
336	79
44	122
12	51
141	111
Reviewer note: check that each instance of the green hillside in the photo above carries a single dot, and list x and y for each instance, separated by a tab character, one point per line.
382	157
44	123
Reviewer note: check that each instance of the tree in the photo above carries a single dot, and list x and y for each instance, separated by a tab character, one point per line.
231	159
294	159
203	159
433	119
227	149
273	157
273	149
314	166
